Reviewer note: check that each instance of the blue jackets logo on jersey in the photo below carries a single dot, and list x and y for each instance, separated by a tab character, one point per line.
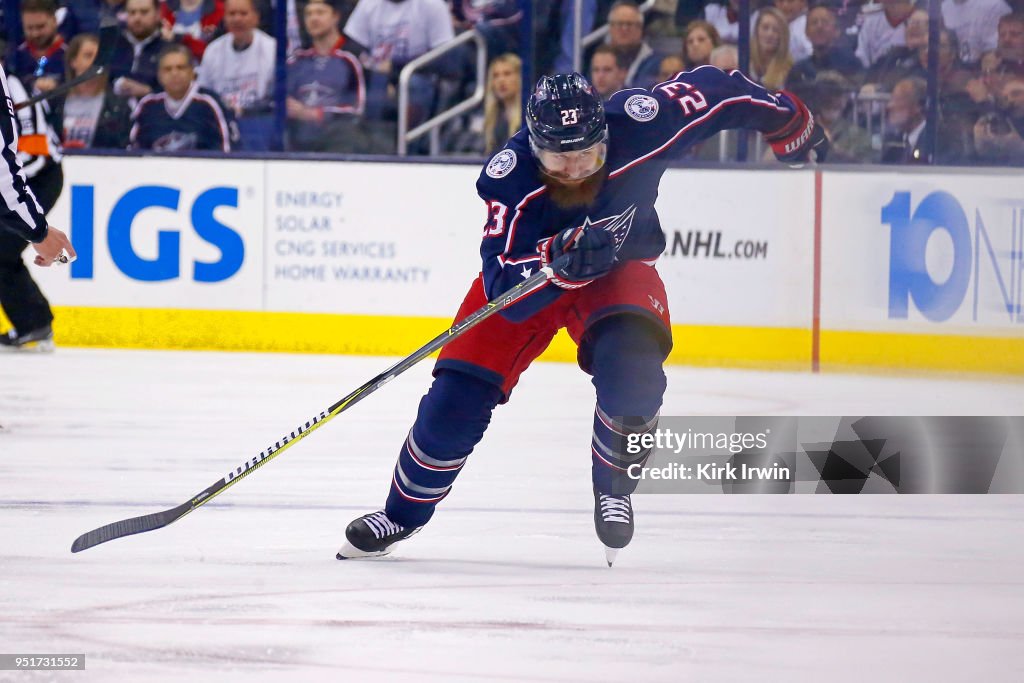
641	108
618	226
501	164
176	141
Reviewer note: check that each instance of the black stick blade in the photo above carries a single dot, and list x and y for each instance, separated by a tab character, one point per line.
128	527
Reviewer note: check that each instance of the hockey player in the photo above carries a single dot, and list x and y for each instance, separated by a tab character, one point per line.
581	179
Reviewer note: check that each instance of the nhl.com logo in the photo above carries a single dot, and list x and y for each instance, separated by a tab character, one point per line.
641	107
501	164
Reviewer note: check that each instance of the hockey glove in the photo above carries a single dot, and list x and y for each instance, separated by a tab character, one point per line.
802	139
591	255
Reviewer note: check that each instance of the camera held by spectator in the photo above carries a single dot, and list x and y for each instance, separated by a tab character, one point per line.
999	134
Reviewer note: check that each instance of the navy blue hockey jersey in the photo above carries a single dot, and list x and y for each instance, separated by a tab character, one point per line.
198	121
647	129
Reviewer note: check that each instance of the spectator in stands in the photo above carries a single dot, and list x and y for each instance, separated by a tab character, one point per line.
911	61
910	140
900	61
488	130
1013	101
955	104
503	101
607	71
239	67
828	98
387	35
828	53
326	91
184	116
496	20
975	24
983	88
1010	47
770	61
699	39
39	61
670	66
726	20
905	115
999	134
849	16
725	57
883	30
133	65
193	23
93	116
795	12
953	75
626	35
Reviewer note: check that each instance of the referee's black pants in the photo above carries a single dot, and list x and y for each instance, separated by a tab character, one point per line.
23	303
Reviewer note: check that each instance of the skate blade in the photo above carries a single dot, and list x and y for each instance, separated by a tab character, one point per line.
610	554
350	552
44	346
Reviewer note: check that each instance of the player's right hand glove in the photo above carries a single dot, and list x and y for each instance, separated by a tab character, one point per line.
800	140
591	255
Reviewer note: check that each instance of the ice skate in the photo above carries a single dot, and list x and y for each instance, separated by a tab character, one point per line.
39	340
613	520
373	535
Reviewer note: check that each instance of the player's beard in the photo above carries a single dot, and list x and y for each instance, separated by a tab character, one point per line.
567	196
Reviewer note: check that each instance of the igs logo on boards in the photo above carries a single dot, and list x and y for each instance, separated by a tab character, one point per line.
177	216
937	257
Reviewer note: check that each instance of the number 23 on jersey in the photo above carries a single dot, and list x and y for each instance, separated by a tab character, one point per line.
496	213
689	98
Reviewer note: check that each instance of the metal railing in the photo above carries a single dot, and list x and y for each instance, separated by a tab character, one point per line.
433	125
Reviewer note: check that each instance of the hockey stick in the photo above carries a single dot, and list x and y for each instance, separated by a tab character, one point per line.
105	50
138	525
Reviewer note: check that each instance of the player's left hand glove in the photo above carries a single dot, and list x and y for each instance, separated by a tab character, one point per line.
591	255
800	140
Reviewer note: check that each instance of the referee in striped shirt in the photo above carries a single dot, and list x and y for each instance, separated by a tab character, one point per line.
20	212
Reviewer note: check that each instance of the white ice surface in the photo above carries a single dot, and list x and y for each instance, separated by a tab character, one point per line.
508	582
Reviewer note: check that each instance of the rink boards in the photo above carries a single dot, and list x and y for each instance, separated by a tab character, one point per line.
764	268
